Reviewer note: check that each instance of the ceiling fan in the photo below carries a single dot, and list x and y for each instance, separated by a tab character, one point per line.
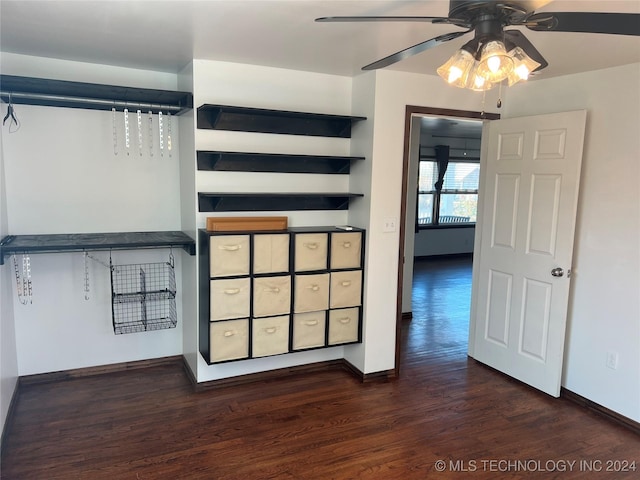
496	54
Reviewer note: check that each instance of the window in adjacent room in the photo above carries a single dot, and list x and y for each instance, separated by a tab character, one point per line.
456	202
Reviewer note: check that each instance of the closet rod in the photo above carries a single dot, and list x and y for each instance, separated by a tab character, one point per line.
84	102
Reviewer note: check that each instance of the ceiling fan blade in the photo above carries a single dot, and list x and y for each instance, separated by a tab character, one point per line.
384	19
588	22
408	52
519	40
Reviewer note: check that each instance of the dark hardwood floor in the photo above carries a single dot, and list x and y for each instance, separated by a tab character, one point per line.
150	424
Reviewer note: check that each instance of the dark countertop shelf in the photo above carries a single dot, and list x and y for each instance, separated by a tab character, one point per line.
78	242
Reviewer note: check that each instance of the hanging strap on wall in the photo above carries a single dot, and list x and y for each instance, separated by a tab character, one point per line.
169	133
86	276
161	134
115	130
139	123
87	256
150	120
24	286
127	138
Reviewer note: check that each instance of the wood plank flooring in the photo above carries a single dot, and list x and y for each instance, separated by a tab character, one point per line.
150	424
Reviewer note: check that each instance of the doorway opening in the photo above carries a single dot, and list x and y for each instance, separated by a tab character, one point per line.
439	215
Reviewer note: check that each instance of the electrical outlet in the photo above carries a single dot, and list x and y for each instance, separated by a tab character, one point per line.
390	224
612	360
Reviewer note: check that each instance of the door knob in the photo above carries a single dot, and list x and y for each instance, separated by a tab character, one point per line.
557	272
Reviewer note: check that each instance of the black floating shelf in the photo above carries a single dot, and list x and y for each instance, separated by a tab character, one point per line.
245	119
269	202
61	93
77	242
271	162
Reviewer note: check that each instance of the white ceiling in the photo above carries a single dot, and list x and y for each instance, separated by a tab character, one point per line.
166	35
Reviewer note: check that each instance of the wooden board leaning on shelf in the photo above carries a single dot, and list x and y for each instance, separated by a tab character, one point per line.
238	224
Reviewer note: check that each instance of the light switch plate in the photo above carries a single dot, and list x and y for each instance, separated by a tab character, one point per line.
390	224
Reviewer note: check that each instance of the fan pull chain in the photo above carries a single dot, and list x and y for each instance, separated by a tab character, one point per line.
139	119
127	142
150	118
169	146
499	104
115	131
161	134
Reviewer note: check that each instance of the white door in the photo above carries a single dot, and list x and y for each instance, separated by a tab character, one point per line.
523	263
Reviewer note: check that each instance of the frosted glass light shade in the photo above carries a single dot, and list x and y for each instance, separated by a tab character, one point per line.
523	66
495	65
456	70
477	82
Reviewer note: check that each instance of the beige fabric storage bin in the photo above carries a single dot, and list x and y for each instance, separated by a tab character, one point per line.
308	330
346	289
311	293
343	325
311	251
228	340
346	250
229	298
270	336
229	255
270	253
271	296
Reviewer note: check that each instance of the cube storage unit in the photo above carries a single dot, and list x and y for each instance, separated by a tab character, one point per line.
268	293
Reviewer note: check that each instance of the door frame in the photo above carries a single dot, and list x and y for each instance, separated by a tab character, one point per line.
411	110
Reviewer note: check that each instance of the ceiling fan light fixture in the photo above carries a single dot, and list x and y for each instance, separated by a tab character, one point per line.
455	71
523	66
495	64
477	82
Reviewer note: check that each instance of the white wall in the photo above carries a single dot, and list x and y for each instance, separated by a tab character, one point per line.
363	103
62	176
42	67
8	352
271	88
604	313
188	208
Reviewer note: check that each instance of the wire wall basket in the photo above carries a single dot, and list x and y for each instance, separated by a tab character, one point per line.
143	297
